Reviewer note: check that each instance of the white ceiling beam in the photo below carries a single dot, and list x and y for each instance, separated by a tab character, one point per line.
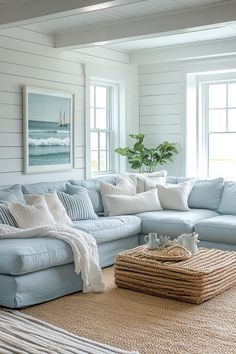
184	52
23	12
147	26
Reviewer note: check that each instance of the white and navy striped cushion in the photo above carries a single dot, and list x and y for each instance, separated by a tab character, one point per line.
5	216
78	206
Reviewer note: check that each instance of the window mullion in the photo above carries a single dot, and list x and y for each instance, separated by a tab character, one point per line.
99	165
227	123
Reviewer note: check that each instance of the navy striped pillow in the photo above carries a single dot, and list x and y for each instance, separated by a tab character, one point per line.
5	216
78	206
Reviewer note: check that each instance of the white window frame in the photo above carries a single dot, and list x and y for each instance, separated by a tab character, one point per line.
205	88
110	126
197	120
118	83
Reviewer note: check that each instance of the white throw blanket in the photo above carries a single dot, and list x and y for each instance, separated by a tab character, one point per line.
83	246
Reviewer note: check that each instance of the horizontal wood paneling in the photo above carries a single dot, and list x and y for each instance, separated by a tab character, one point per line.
161	109
28	58
160	89
161	129
160	77
11	125
158	119
153	100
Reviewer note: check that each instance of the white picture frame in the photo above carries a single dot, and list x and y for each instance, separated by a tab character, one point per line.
47	130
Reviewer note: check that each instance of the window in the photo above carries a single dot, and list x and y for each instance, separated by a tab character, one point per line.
101	127
220	128
211	124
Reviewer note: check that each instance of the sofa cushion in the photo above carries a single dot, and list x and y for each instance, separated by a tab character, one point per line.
228	200
44	187
206	194
12	194
78	206
175	197
147	181
28	216
131	204
108	229
124	186
54	205
93	189
171	222
217	229
20	256
5	216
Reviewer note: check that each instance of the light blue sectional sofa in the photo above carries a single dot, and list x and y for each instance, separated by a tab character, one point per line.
40	269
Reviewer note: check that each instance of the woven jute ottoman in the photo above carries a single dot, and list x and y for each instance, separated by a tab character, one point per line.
201	277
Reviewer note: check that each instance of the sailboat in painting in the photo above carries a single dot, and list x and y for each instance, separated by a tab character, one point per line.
62	120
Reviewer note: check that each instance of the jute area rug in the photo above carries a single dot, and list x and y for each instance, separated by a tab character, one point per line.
134	321
24	334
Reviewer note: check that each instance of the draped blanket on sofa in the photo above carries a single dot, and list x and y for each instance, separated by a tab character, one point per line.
83	246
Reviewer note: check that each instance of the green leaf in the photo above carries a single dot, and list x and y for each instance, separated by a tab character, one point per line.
138	147
140	156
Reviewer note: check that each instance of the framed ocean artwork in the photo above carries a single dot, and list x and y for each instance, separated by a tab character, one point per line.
48	129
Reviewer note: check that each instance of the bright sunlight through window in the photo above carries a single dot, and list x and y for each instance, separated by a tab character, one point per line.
101	128
221	118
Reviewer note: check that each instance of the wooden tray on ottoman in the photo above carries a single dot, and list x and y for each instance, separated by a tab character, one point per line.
199	278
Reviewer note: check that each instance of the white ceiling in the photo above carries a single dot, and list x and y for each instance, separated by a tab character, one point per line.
128	25
220	32
116	13
10	2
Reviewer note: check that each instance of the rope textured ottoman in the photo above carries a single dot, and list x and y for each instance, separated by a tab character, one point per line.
203	276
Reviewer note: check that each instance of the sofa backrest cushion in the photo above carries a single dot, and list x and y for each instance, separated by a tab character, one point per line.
93	188
228	200
172	180
44	187
206	194
12	194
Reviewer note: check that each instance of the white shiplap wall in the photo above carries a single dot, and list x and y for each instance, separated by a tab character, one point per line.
163	89
161	97
28	58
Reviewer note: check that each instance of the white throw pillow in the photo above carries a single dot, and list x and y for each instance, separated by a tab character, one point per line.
28	216
54	205
139	203
144	184
147	181
124	186
175	197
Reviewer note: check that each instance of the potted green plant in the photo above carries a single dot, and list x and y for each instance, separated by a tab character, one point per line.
140	157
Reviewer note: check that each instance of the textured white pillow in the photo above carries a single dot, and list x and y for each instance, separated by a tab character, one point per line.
124	186
144	184
28	216
175	197
147	181
54	205
139	203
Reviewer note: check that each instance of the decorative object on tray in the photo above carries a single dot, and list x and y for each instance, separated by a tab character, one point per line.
171	253
189	241
158	243
152	240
